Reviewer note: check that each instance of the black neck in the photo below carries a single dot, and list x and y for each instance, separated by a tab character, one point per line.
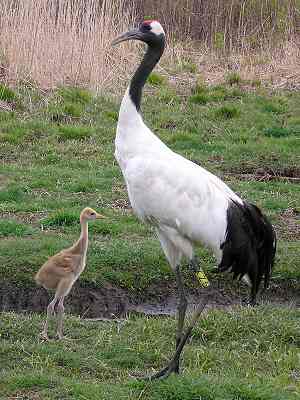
149	61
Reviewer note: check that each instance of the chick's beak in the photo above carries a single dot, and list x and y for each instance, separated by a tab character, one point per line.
134	34
100	216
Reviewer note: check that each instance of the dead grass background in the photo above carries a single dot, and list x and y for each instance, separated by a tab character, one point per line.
54	42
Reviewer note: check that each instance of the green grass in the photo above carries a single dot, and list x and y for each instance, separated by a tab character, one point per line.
74	132
156	79
56	164
57	158
7	94
199	98
10	227
233	78
227	112
242	354
278	131
61	218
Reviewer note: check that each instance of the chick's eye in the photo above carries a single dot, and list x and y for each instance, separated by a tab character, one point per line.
92	213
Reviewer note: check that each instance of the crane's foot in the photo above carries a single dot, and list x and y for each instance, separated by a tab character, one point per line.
60	336
250	302
63	337
173	366
44	336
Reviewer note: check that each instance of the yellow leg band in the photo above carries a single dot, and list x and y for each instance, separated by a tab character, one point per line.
202	278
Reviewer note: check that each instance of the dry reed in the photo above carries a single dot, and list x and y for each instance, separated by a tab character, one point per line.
226	24
58	42
50	46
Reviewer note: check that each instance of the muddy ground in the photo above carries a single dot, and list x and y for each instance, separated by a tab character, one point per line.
113	302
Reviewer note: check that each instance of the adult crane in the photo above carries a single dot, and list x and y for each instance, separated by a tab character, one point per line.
185	203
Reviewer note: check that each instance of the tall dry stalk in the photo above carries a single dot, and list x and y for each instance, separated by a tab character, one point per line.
226	24
59	42
52	42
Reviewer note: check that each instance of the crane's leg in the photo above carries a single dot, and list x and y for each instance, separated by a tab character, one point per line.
174	246
181	337
194	264
182	306
50	312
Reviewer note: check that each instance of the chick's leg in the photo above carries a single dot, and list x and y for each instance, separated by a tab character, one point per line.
50	311
63	289
60	317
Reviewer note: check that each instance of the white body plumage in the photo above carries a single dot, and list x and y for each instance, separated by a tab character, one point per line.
186	203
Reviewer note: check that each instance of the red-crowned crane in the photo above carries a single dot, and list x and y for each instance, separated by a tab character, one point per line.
186	204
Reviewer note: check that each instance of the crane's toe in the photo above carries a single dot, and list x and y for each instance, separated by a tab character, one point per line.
59	336
44	336
173	366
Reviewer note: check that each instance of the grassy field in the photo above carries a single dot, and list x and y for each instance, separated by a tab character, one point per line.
57	157
244	354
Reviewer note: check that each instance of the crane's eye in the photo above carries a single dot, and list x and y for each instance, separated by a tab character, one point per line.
146	26
92	213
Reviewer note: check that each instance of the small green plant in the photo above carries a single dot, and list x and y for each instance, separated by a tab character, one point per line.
11	194
73	110
199	98
112	115
6	116
233	78
220	93
75	95
294	121
227	112
156	79
168	95
256	83
106	228
278	131
7	94
273	108
276	105
200	87
13	134
65	112
13	228
219	41
61	218
68	103
188	66
83	186
73	132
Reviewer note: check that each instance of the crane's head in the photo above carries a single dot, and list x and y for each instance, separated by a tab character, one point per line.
88	214
149	31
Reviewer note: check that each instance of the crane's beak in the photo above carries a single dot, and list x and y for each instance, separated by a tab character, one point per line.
100	216
134	34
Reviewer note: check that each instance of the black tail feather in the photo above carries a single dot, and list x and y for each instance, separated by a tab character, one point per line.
250	245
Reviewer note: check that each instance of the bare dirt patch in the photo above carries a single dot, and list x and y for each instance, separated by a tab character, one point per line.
3	181
288	224
24	217
289	174
160	299
121	203
25	395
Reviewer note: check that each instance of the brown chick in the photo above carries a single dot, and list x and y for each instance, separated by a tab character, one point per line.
63	269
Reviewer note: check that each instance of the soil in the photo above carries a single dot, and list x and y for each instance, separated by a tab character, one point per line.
288	174
114	302
288	225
